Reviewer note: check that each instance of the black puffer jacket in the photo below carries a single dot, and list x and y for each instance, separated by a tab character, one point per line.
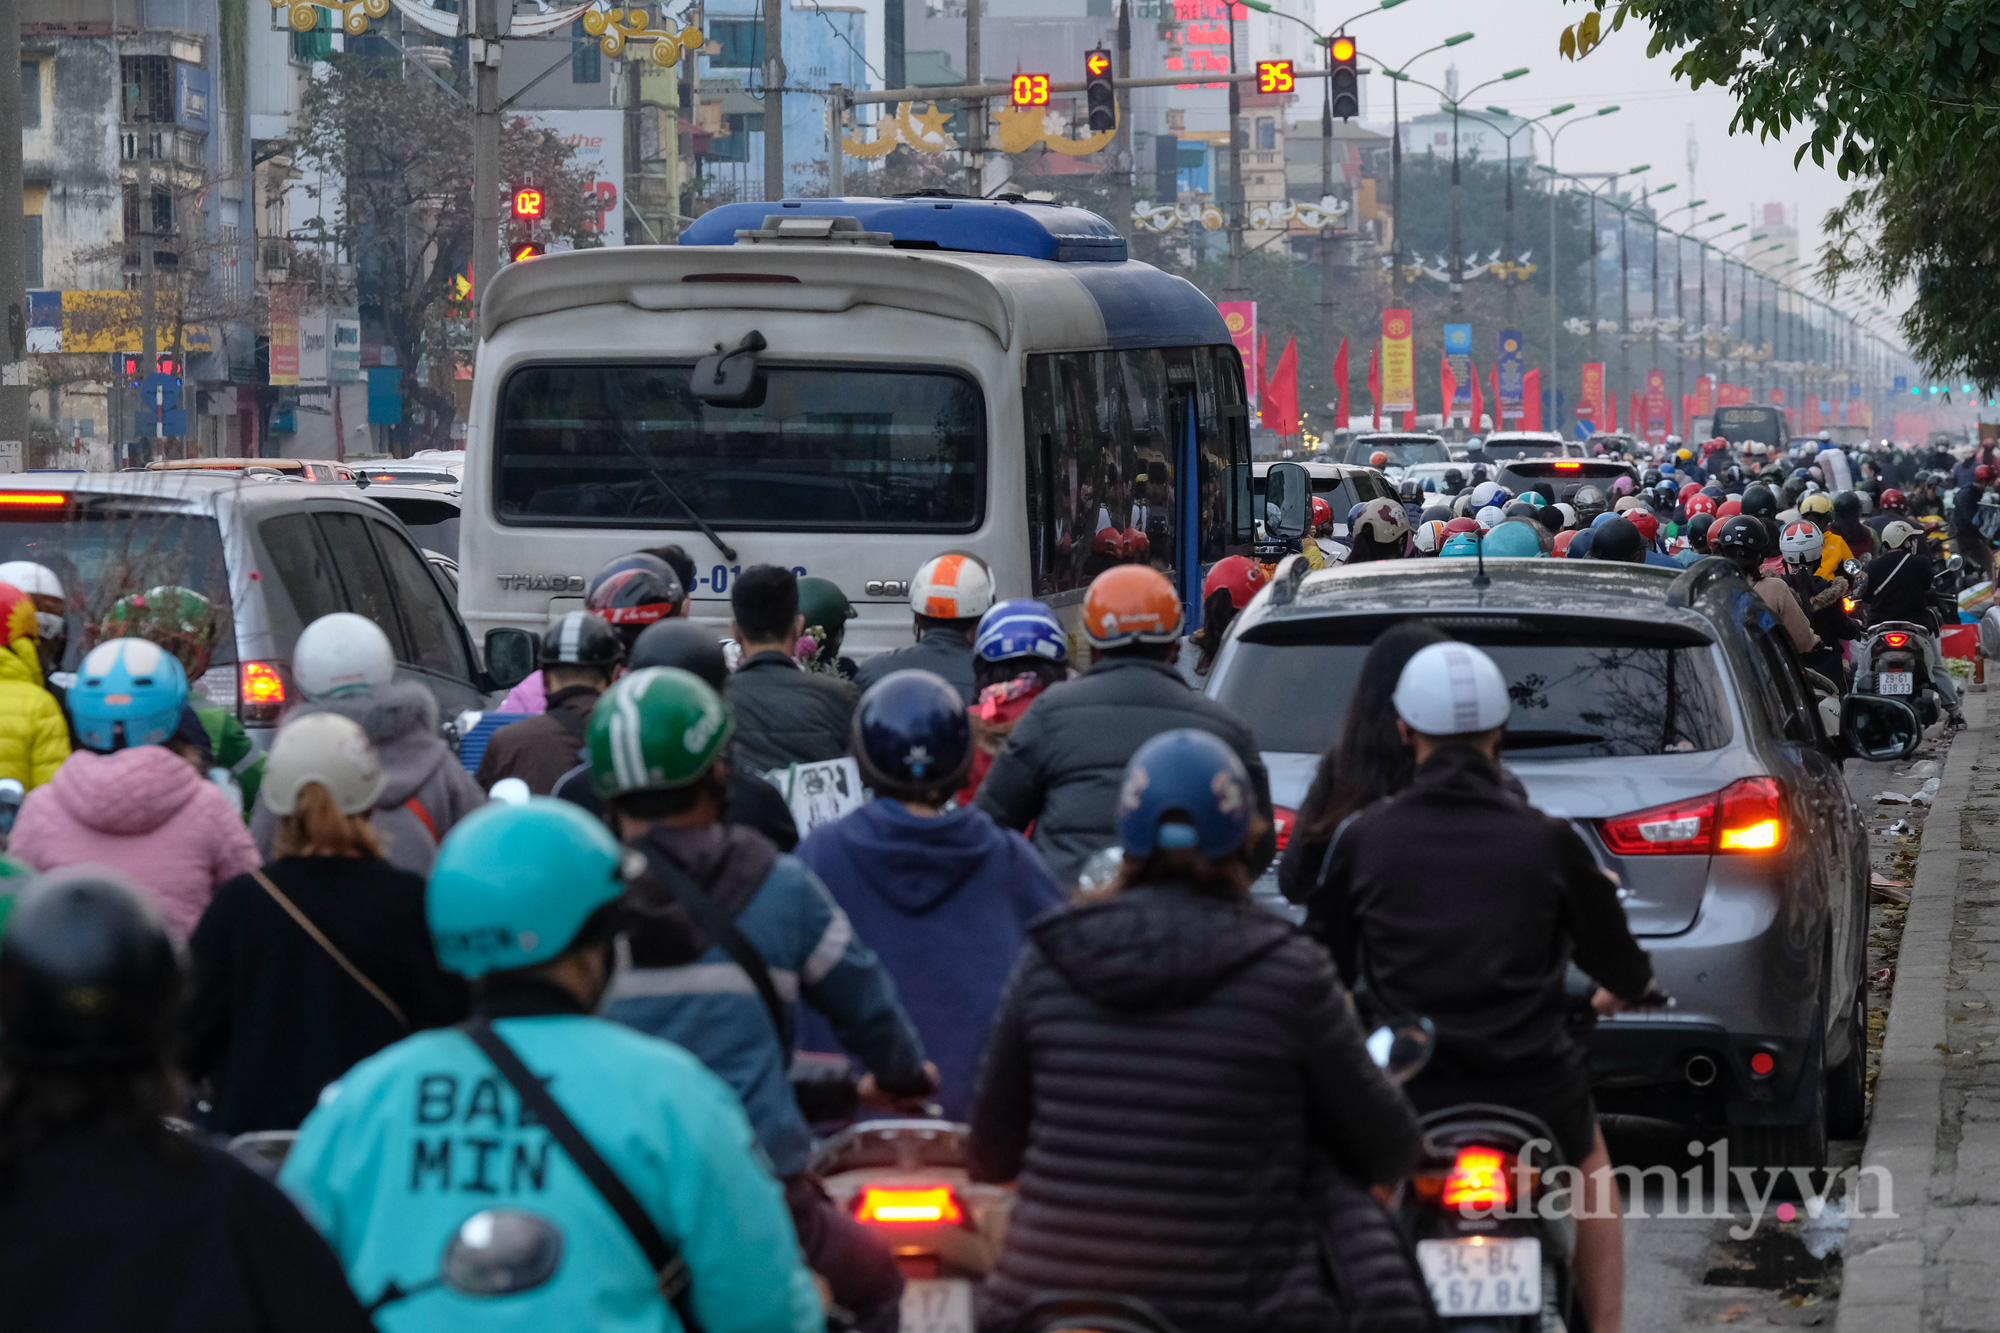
785	715
1172	1081
1062	765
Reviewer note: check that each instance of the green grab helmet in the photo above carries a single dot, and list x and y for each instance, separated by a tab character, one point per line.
655	730
169	609
513	884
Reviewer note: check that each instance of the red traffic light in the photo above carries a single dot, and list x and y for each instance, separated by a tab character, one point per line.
1275	76
1343	48
1031	90
527	203
169	366
1097	63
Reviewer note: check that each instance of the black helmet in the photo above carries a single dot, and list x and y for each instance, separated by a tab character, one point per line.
911	734
1520	509
578	638
683	644
633	591
1589	503
1454	481
1715	492
1618	540
88	977
1847	505
1759	502
1436	514
1650	477
1697	531
1410	490
1740	537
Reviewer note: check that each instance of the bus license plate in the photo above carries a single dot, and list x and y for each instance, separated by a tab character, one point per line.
937	1305
1896	682
1483	1275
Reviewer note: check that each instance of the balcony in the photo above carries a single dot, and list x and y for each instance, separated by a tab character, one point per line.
168	145
274	255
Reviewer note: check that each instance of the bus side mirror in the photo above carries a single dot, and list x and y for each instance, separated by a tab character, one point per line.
1287	501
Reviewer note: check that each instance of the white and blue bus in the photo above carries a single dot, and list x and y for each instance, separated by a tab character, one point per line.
918	374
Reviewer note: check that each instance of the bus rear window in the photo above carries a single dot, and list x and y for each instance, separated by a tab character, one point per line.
830	448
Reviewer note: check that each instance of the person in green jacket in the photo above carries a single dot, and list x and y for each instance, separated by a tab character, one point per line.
186	624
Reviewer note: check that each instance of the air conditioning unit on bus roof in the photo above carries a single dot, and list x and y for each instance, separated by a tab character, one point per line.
825	230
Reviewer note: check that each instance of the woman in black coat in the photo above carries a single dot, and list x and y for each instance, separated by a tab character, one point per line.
1178	1084
275	1016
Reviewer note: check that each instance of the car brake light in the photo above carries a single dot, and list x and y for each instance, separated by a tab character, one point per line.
1746	816
1896	638
34	499
1568	467
1282	820
1478	1179
919	1204
260	692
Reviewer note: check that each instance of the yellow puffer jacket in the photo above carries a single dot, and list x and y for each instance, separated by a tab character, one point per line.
34	739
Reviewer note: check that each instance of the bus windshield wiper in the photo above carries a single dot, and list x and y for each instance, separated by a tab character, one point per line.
659	477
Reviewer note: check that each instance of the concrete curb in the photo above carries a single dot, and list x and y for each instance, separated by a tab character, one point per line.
1882	1288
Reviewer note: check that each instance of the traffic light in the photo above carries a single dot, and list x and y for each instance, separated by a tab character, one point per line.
1100	94
1345	86
1275	76
168	366
528	204
130	367
526	250
1031	90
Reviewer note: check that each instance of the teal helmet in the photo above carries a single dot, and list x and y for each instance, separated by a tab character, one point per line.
1534	498
1515	537
513	884
127	692
1464	543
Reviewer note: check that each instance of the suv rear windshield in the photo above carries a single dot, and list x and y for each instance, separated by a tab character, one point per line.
830	448
1577	693
102	552
1401	453
1499	451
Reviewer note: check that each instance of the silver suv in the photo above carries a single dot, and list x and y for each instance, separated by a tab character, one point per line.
1666	716
278	553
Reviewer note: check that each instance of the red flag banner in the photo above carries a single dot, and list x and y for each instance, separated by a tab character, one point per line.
1478	398
1281	397
1499	408
1375	384
1704	397
1531	399
1340	386
1447	388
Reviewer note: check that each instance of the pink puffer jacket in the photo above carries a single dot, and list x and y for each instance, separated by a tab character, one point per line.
146	814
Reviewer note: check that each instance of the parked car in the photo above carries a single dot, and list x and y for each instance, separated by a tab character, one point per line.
301	469
1668	720
1341	485
278	555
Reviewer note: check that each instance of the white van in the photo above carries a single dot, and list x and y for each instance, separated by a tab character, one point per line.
903	377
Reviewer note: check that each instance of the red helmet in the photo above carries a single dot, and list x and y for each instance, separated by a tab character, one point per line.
1136	545
1689	488
1458	525
1648	525
1893	499
1108	541
1563	539
1239	575
1982	474
1322	513
1378	459
1699	504
1728	509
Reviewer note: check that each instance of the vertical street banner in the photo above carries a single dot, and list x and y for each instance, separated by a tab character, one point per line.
1458	353
1590	401
1399	362
1240	318
1656	406
1704	396
1509	363
285	335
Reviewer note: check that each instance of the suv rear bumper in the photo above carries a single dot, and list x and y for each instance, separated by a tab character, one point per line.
1702	1073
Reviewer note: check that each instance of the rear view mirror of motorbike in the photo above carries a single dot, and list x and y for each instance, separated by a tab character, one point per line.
1879	728
1401	1047
1287	501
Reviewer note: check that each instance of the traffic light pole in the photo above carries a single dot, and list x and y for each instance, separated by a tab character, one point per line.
1121	147
1235	214
975	109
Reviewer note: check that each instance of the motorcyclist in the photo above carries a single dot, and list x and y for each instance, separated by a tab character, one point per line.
824	610
1061	767
34	734
1177	1085
186	624
1972	543
1848	526
1318	545
1588	502
1480	945
1802	545
1925	501
941	893
784	714
108	1218
630	593
1022	649
1897	585
1740	539
1817	509
1230	585
524	901
714	924
948	596
1380	532
580	654
1893	505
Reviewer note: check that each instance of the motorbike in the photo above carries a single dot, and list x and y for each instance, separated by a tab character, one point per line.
1894	659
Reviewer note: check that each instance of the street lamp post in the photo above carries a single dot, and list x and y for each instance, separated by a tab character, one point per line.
1458	193
1555	349
1396	78
1508	136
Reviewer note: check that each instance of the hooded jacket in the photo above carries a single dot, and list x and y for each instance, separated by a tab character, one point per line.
145	813
1173	1081
34	734
945	903
426	790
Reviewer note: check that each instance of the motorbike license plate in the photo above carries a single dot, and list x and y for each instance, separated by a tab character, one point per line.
1896	682
937	1305
1482	1275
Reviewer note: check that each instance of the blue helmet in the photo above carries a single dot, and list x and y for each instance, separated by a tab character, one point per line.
1463	543
911	734
513	884
1515	537
1185	789
127	692
1602	519
1020	627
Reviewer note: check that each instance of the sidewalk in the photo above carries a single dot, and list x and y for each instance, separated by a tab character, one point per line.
1934	1267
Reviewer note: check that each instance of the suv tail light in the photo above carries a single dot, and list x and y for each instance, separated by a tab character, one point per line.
919	1204
1746	816
1282	820
260	691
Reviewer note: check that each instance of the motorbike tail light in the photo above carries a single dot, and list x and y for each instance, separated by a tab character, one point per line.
1683	829
1896	639
1848	604
1283	819
909	1204
1751	816
260	691
1478	1179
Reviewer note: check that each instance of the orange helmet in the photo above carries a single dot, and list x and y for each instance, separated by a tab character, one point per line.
1380	458
1131	604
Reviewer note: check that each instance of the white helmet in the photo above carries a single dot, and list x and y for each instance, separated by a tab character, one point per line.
31	578
954	586
1490	517
1897	535
1568	511
1801	544
1384	522
1449	689
1483	493
1825	435
342	654
328	749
